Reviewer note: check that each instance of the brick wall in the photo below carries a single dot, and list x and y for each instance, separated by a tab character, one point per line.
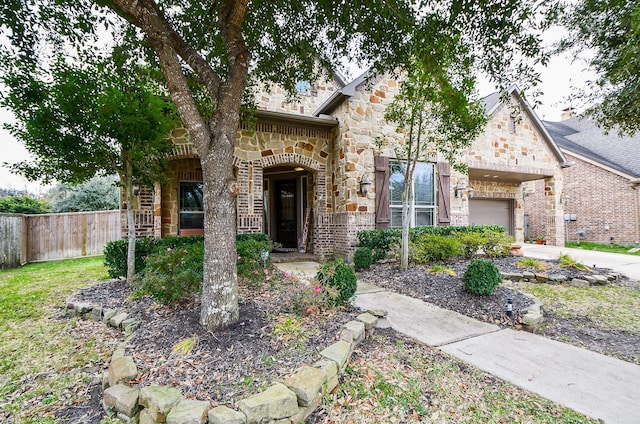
603	201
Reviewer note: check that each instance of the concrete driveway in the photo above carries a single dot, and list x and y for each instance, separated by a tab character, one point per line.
628	265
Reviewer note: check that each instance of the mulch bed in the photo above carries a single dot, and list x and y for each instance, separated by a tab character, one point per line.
230	364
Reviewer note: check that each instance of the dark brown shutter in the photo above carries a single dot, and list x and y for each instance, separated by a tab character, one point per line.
444	193
382	192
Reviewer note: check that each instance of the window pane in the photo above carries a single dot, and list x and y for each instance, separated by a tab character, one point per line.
396	182
423	184
303	87
424	217
191	196
191	220
396	217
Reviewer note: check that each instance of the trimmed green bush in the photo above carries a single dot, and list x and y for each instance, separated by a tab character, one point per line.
490	238
482	277
434	248
249	247
172	275
338	280
363	258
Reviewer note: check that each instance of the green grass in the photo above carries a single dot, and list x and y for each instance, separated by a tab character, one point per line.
567	261
412	383
41	358
610	307
612	248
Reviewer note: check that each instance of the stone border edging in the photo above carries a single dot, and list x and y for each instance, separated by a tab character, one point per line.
289	402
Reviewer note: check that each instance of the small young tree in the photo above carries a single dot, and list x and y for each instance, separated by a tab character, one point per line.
434	111
98	116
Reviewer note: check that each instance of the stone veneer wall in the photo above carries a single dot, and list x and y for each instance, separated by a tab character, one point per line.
600	199
275	98
524	150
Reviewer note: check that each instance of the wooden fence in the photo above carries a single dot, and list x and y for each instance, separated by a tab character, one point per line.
31	238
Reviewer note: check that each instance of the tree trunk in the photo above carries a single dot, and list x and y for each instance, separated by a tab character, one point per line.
219	288
407	212
131	224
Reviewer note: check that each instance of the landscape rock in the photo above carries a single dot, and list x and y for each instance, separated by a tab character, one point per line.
158	400
590	278
116	320
368	320
330	368
380	313
357	330
601	280
306	383
122	370
578	282
383	323
542	278
96	313
275	403
82	308
304	412
557	278
531	320
338	352
189	412
528	275
121	398
225	415
107	314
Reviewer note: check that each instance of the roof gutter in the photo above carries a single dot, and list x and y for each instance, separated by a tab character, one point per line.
322	121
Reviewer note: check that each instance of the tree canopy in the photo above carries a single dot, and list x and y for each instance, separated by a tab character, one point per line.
97	194
606	34
211	52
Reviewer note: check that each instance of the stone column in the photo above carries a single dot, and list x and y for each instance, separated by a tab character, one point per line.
554	210
157	210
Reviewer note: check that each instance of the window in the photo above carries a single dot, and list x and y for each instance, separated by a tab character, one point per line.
191	206
423	194
512	125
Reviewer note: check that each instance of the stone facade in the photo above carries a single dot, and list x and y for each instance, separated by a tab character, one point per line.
328	157
275	98
604	201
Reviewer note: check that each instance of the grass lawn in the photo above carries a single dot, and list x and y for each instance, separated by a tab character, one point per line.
46	362
402	381
611	307
612	248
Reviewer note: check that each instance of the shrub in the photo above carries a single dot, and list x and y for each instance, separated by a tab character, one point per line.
173	274
363	258
339	277
434	248
496	244
482	277
379	241
471	243
250	247
115	252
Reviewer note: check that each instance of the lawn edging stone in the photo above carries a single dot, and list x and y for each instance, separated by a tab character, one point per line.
289	402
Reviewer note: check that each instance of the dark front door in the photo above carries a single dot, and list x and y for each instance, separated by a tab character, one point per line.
286	224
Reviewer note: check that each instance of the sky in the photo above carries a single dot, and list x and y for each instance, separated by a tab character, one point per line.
557	80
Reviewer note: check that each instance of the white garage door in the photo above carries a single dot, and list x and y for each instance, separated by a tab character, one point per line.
491	212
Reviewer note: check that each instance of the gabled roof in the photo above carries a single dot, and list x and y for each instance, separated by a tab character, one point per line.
582	137
341	95
493	102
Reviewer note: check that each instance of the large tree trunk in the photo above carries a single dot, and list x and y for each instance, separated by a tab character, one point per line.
219	288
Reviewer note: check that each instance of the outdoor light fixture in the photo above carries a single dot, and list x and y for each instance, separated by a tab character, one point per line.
461	188
265	255
135	189
298	169
364	184
510	307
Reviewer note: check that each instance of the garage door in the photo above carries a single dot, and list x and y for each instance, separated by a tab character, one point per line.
491	212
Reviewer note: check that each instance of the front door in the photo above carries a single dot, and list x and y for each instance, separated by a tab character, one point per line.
285	212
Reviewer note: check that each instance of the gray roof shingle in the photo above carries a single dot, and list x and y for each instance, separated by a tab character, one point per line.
583	137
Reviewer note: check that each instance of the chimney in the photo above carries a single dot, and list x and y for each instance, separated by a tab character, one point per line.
568	113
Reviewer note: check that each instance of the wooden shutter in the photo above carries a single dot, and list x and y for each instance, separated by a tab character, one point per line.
444	193
383	220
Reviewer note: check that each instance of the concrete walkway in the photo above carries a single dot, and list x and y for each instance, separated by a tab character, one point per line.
596	385
628	265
